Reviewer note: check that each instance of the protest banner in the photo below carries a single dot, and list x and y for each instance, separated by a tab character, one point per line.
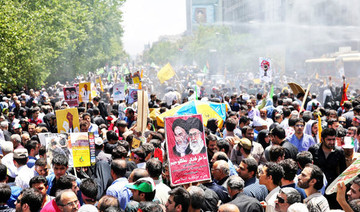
133	97
119	91
265	69
143	110
67	120
85	92
71	96
80	149
347	176
92	148
187	156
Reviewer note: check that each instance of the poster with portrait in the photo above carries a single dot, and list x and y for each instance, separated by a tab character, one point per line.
71	96
133	96
265	69
119	91
187	156
80	149
84	92
57	143
67	120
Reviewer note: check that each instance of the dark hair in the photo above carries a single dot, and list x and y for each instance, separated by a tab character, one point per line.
38	179
355	204
42	151
286	112
89	188
119	167
107	201
111	135
243	119
209	138
31	145
148	148
85	114
154	167
275	171
230	124
21	161
141	153
328	132
149	207
222	144
65	182
340	132
139	173
60	160
304	158
181	197
156	143
245	129
197	197
316	174
252	165
276	152
3	172
124	144
119	152
278	131
5	192
290	168
33	198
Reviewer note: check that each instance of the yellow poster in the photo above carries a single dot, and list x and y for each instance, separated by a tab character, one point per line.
135	143
93	91
80	149
98	81
136	80
67	120
84	92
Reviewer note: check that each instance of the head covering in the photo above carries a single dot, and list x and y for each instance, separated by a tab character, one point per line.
20	153
245	143
211	125
308	127
261	138
348	143
143	187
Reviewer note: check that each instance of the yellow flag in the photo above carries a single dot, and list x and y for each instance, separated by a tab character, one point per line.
319	128
98	80
166	73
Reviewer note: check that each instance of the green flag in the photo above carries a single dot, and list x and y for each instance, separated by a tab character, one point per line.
205	70
271	91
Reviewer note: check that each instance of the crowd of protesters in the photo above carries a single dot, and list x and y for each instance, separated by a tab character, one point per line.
268	156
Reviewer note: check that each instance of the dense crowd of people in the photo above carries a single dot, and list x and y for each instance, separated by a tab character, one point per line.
268	155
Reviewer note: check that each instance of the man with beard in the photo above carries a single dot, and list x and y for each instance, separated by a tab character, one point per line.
195	136
181	147
330	159
311	180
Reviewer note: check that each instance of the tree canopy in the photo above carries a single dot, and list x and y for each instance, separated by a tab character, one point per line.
44	41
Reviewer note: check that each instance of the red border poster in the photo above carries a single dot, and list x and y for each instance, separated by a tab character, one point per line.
187	156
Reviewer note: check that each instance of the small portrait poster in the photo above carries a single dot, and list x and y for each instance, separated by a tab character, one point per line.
265	69
71	96
85	92
187	156
119	91
133	96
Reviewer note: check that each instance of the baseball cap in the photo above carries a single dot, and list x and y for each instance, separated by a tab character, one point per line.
20	153
245	143
99	141
143	186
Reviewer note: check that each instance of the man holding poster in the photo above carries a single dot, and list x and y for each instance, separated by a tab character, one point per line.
186	149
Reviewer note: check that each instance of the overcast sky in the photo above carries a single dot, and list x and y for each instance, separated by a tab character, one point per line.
145	20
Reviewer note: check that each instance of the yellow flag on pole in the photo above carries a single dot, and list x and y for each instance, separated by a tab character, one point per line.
166	73
319	128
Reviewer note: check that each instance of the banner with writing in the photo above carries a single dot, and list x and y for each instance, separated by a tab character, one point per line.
187	156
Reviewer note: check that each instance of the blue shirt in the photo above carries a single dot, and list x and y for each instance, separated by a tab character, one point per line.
303	143
118	190
254	189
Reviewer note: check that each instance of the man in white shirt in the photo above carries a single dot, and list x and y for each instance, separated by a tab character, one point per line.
270	176
24	172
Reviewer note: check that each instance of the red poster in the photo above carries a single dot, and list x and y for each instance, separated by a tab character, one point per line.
186	150
71	96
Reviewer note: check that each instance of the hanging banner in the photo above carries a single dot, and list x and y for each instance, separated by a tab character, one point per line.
71	96
80	149
187	156
119	91
92	148
67	120
85	92
265	69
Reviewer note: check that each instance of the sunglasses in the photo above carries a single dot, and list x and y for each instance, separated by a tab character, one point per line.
280	200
